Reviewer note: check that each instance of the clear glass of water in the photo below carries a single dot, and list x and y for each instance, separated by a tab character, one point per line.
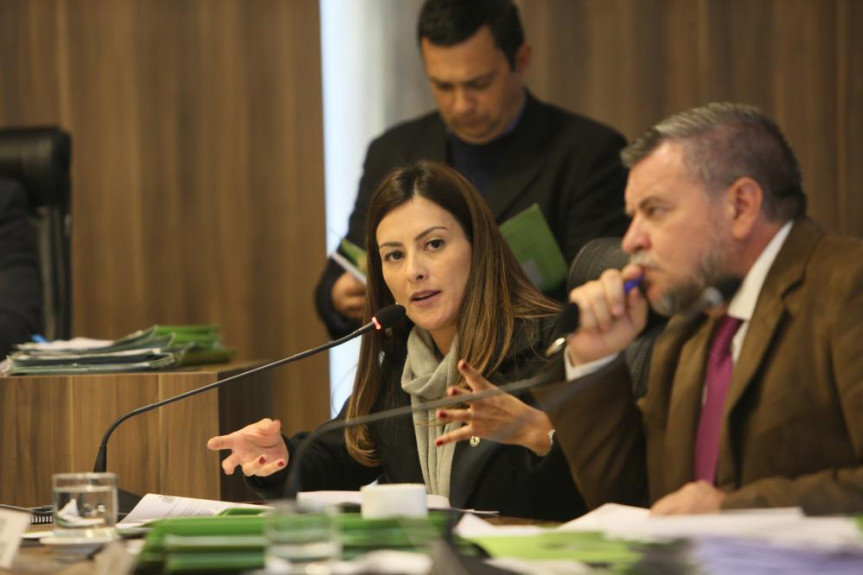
302	538
85	505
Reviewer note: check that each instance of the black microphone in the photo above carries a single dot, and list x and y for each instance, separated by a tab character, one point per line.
385	318
712	296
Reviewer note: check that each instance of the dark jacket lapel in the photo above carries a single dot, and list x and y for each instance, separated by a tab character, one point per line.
518	166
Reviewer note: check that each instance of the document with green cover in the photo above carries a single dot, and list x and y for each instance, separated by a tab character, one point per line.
535	248
157	347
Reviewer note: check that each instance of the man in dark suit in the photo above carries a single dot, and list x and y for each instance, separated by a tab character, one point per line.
758	404
20	284
515	149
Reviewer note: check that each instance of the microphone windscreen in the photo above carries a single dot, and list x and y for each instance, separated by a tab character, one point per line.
567	322
727	287
389	316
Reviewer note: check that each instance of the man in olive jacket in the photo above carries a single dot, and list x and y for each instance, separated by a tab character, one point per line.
716	192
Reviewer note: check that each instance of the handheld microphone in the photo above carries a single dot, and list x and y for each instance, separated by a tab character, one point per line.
711	297
570	320
385	318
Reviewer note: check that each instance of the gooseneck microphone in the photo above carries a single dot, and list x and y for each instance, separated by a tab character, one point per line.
385	318
710	298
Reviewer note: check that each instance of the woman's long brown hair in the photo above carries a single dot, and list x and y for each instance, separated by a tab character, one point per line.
498	291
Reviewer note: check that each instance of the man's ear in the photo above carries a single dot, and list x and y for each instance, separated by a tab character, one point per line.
745	198
522	58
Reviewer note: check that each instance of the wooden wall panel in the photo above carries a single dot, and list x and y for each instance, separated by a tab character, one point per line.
630	63
197	166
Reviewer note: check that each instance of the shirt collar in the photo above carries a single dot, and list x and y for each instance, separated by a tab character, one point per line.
743	303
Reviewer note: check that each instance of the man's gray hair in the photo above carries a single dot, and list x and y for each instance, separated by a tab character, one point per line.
722	142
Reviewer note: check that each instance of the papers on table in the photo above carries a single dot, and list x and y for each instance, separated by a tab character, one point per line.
12	526
356	498
153	506
157	347
782	526
752	541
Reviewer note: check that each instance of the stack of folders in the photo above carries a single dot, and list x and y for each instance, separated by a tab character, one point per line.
158	347
234	542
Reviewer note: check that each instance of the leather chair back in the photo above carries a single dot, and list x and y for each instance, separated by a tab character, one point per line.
39	158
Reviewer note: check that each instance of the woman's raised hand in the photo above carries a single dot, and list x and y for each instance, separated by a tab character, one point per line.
501	417
258	448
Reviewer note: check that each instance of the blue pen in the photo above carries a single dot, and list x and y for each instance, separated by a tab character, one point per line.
629	284
38	338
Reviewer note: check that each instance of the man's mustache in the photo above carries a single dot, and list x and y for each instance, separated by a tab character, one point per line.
642	260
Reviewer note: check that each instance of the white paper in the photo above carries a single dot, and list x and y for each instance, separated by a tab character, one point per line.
12	526
356	498
153	506
76	344
606	517
471	526
779	526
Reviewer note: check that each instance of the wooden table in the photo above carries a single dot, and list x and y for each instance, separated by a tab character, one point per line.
54	424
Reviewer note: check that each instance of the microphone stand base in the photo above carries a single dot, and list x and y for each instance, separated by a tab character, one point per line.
126	501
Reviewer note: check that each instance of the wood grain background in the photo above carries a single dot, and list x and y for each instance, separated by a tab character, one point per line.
197	166
630	63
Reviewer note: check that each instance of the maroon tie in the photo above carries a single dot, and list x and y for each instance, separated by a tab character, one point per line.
717	380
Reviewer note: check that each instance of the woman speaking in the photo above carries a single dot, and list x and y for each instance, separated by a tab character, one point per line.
433	247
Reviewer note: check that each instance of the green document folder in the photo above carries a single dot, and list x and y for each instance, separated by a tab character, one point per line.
535	248
234	543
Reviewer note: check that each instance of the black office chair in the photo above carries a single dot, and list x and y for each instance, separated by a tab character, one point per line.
594	258
39	158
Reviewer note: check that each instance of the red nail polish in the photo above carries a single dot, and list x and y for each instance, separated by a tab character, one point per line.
281	463
437	443
262	460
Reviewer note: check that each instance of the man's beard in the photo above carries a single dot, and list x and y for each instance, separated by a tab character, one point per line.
683	295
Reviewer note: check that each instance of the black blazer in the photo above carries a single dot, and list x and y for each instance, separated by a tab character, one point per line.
567	164
20	282
490	476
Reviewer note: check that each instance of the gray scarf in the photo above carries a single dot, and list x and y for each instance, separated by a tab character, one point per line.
425	378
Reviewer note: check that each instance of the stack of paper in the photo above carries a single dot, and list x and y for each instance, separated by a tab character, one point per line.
158	347
763	541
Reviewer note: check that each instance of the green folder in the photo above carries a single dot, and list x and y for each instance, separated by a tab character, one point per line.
535	248
232	543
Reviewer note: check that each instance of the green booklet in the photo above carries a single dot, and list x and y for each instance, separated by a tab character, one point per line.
528	235
535	248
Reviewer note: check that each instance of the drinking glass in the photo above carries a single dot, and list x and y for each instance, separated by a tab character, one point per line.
85	505
302	538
